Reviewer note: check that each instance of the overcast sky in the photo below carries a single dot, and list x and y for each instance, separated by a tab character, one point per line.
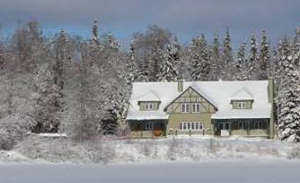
185	18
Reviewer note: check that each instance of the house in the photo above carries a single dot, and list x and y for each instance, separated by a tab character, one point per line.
220	108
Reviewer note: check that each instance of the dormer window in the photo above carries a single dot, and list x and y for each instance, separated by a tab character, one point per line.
241	104
149	105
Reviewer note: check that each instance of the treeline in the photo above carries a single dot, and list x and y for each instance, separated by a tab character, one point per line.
65	83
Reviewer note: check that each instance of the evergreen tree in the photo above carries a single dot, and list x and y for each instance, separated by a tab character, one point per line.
227	58
200	65
216	64
253	58
264	58
168	69
241	64
227	50
289	96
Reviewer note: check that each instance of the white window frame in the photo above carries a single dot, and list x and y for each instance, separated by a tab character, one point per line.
193	126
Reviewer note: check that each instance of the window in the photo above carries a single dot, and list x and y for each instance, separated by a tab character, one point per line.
194	126
198	107
149	106
182	107
241	104
185	107
194	107
149	126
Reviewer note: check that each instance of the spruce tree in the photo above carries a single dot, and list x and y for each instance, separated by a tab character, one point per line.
241	64
227	58
289	96
168	68
200	66
252	61
216	64
264	58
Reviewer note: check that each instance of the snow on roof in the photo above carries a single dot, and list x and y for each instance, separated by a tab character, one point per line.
242	94
149	96
219	93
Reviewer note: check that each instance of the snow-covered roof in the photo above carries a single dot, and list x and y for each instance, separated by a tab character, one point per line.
242	94
150	96
218	93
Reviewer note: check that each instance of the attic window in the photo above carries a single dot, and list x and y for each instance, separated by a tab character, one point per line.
148	105
241	104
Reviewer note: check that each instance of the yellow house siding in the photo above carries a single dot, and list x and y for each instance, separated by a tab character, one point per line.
176	116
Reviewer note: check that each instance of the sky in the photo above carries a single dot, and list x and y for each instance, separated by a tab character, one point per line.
184	18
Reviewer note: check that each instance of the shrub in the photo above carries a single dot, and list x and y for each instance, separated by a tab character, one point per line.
14	128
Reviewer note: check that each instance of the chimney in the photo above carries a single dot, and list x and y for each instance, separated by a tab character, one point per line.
180	85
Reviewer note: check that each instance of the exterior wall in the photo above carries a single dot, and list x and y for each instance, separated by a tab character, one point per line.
176	116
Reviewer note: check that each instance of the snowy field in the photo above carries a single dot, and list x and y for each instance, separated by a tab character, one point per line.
181	159
250	171
145	151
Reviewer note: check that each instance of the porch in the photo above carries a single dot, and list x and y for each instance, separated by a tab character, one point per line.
147	128
242	127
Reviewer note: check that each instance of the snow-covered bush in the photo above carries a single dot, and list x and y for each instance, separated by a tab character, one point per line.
14	128
52	149
99	151
66	150
294	153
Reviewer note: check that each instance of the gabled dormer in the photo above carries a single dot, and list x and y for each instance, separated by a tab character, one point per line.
242	99
149	102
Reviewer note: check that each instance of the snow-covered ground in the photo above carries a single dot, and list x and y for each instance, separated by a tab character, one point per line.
180	159
129	151
241	171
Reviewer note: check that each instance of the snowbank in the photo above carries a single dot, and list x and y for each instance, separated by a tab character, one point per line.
179	149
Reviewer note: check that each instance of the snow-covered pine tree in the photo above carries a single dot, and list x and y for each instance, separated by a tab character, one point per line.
296	47
264	58
289	96
253	58
216	64
200	63
168	67
241	64
227	57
